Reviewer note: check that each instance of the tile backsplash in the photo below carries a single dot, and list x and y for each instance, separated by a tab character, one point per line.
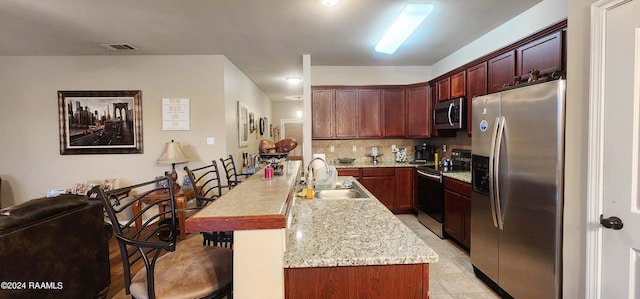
345	148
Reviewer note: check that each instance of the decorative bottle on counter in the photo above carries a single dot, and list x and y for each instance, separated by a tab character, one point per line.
401	155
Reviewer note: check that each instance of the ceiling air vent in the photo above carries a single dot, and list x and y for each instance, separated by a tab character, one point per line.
118	47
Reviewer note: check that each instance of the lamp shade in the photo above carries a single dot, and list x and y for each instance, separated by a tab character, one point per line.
172	154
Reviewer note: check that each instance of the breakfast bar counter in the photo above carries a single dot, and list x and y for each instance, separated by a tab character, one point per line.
256	211
286	246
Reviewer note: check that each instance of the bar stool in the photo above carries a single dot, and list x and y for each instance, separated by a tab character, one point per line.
191	272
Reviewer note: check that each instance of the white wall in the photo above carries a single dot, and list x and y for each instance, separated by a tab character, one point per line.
369	75
31	163
285	110
239	88
541	15
577	117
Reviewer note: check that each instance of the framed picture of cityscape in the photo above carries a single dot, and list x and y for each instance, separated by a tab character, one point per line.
100	122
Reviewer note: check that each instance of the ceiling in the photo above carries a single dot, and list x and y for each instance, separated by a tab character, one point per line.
265	39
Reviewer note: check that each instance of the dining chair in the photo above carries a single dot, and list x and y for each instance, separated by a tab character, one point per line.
190	272
230	170
207	187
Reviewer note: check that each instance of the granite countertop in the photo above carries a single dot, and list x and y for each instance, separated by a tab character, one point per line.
350	232
464	176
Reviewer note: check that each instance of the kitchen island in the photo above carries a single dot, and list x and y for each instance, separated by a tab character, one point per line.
353	248
274	231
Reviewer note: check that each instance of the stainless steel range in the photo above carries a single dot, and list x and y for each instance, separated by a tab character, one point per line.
429	193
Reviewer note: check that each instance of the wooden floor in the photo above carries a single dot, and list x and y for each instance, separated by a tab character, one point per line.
117	274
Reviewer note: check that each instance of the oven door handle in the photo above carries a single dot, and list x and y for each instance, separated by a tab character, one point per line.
433	177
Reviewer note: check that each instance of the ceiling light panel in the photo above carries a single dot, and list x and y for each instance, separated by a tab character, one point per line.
409	19
328	2
294	80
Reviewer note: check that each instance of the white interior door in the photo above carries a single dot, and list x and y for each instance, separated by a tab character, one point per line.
614	169
292	128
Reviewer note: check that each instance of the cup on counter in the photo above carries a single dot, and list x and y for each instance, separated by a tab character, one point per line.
268	172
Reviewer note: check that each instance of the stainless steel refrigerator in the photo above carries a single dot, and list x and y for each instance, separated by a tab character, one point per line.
517	199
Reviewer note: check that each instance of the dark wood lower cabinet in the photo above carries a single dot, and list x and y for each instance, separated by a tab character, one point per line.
404	194
393	186
371	282
354	172
457	211
383	188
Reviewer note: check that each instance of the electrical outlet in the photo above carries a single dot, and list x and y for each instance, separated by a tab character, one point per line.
444	148
211	140
332	149
355	149
394	148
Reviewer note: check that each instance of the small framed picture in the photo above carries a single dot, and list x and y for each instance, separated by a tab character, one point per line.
161	184
109	184
55	192
80	189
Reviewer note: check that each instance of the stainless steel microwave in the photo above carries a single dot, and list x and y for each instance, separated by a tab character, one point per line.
450	114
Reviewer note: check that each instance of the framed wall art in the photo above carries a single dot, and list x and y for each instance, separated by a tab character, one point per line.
265	127
100	122
252	123
243	125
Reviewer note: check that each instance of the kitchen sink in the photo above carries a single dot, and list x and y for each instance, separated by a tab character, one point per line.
339	194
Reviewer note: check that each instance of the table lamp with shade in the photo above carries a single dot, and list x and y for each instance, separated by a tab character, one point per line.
173	154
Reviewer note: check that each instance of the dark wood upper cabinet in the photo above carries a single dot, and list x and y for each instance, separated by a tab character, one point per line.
419	111
346	116
543	54
322	113
394	109
458	85
476	86
434	101
443	89
369	113
501	71
477	80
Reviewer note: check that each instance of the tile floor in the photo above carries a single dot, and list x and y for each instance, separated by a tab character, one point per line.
452	276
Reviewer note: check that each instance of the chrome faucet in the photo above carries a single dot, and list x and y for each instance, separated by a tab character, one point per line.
326	165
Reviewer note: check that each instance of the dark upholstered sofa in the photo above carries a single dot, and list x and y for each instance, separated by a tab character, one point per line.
54	248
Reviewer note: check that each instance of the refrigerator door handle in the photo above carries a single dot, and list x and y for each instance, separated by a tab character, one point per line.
492	182
449	114
498	213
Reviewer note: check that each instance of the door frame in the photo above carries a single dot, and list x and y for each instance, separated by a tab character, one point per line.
595	177
288	121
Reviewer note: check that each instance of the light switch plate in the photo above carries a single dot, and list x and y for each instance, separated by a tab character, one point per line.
355	148
211	140
332	149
